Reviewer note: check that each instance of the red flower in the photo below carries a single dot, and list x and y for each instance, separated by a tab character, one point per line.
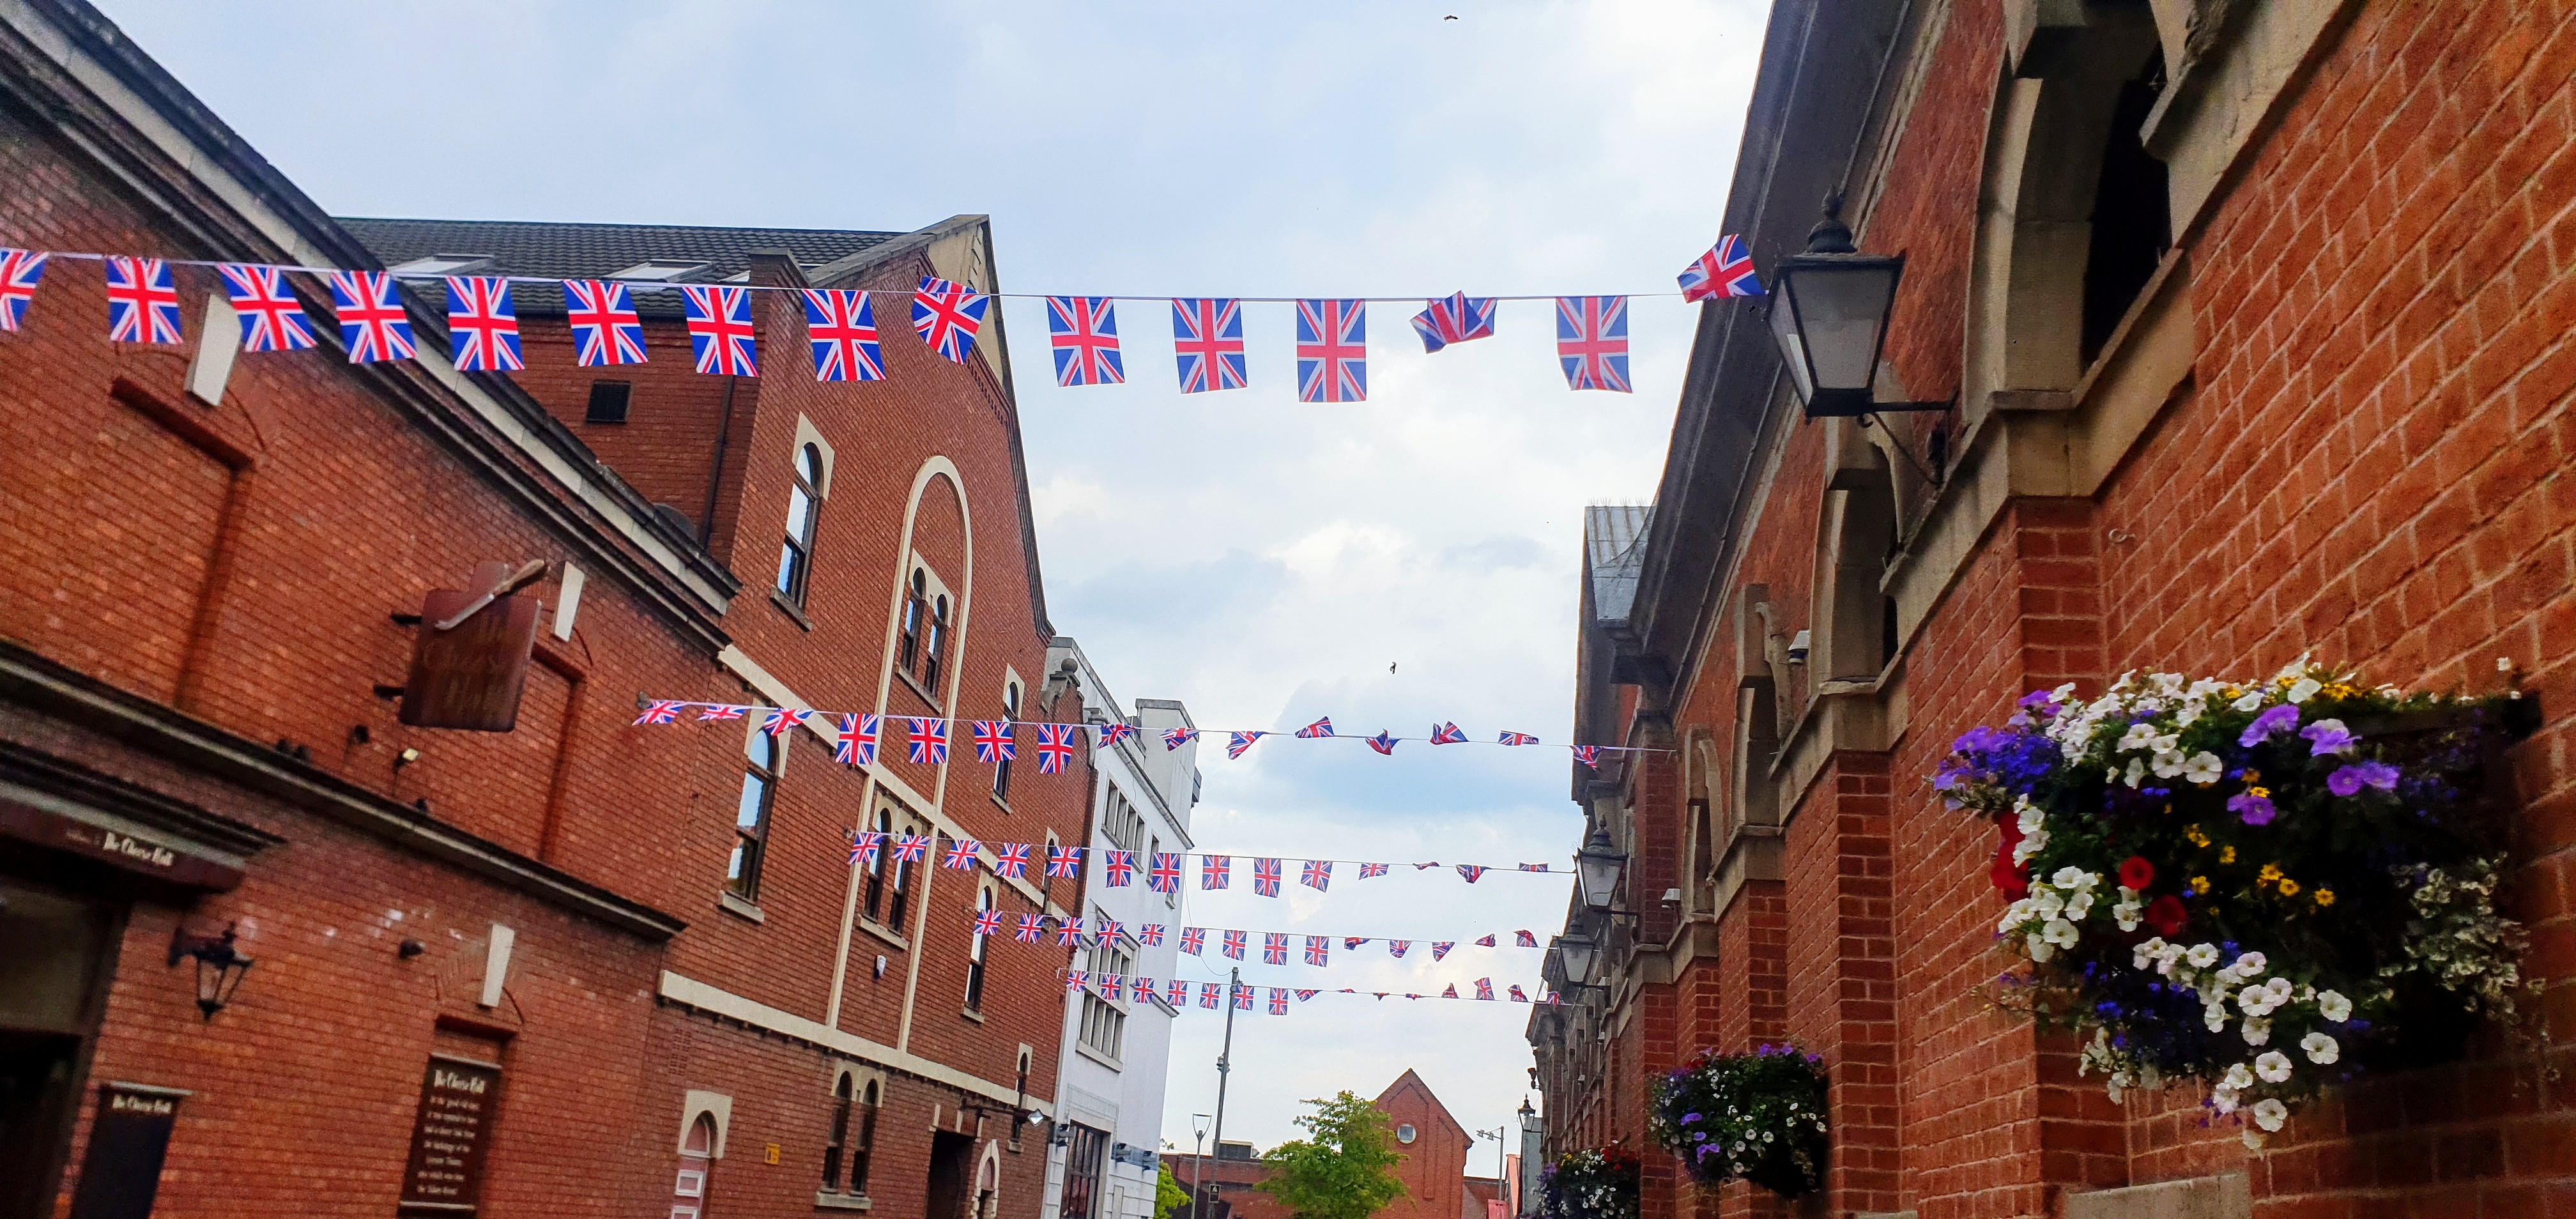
2166	915
2007	875
2137	873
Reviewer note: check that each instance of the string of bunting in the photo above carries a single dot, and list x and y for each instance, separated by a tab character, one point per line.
1076	932
840	325
1163	870
857	736
1175	992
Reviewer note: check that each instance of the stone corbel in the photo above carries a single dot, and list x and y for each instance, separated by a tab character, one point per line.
2038	34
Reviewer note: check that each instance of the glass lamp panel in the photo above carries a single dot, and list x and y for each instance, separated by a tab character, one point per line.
1840	312
1784	330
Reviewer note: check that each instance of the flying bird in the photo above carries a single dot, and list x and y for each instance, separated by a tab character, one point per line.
1390	666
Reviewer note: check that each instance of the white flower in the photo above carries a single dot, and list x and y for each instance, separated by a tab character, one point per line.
2272	1067
2148	949
2304	689
2167	763
2032	842
2047	905
2333	1006
2215	1017
2238	1078
2059	932
2202	956
2136	772
2072	877
2014	916
2223	1099
2041	949
2270	1113
2249	964
2127	911
2203	768
2253	699
2118	1083
2253	1139
2257	1030
2168	683
2027	815
2078	905
2139	736
2320	1048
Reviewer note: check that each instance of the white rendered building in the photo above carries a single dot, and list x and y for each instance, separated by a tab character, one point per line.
1102	1161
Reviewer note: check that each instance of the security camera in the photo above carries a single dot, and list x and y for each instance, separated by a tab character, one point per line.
1798	647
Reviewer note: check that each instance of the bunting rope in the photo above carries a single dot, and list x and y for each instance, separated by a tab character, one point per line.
1163	871
1174	993
1234	944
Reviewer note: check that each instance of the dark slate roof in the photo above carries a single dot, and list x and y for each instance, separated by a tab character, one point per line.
1614	553
593	251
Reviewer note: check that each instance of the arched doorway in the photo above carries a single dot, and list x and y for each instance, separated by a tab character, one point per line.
689	1189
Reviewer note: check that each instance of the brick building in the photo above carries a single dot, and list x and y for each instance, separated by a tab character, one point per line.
1433	1145
614	970
2254	322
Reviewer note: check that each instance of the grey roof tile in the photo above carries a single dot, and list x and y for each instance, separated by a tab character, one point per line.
593	251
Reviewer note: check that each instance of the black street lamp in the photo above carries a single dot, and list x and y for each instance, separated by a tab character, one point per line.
219	967
1829	307
1597	867
1574	954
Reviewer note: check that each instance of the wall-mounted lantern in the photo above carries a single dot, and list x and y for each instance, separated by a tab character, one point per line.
1829	309
1597	867
219	966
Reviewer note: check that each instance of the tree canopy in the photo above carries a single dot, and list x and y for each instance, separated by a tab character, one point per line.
1343	1169
1169	1197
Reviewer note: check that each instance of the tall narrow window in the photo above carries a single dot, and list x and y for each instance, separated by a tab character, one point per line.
804	502
879	876
751	815
834	1150
1082	1155
936	645
1002	770
860	1151
916	606
899	892
975	958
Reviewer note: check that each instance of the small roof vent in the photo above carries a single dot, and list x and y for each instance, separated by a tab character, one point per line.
447	264
665	270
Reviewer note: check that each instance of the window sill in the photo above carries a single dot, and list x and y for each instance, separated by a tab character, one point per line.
733	904
842	1202
1002	804
790	609
1098	1057
972	1014
891	936
924	691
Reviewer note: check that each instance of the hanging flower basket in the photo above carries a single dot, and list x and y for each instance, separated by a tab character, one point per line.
1758	1117
2263	887
1597	1184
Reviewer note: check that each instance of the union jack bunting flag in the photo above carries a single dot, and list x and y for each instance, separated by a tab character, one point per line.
721	711
1193	939
1031	929
1304	995
1055	747
1243	998
482	325
993	741
912	848
946	316
720	331
1450	991
1383	742
1111	734
1207	994
1237	742
1215	871
1534	867
1321	727
988	922
1517	996
1552	998
1011	860
864	845
1440	948
1265	877
142	302
1319	950
1176	992
1371	871
1486	940
1121	866
929	741
1425	867
20	272
1278	1001
1150	934
1235	941
660	711
1454	319
1592	342
1165	875
1447	734
1589	755
1112	986
1523	939
1069	931
372	321
856	743
1726	270
1518	738
1084	331
1332	351
1316	875
1107	929
961	854
1174	738
841	327
1472	871
1207	338
1352	942
1065	862
1075	979
271	318
1397	948
605	329
1485	988
782	720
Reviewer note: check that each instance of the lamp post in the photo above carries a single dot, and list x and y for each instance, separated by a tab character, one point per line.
1829	312
1198	1161
1225	1059
1597	867
1529	1148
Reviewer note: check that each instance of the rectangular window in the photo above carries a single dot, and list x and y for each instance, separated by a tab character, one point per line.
975	958
761	756
874	903
608	401
1104	1024
1082	1156
1121	822
1002	769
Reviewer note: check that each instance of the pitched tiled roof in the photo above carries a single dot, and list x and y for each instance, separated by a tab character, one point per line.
592	251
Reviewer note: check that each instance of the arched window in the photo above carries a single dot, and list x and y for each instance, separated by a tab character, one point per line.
916	606
975	956
935	646
1002	770
860	1151
761	758
835	1150
804	503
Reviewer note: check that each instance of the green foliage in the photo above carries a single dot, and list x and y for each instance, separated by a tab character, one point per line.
1343	1169
1759	1117
1169	1197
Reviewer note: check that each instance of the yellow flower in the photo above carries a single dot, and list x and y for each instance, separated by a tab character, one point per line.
2197	838
2258	791
2325	897
2226	854
2271	872
2289	887
2251	775
2200	884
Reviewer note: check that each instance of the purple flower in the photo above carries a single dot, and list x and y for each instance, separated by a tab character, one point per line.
2276	719
2330	737
2251	809
2349	780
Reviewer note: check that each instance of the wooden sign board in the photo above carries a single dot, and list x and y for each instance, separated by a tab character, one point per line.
471	676
121	1174
451	1136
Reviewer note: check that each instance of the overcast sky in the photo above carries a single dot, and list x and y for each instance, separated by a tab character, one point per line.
1262	560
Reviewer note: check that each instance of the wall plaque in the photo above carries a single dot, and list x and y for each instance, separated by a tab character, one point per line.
458	1097
121	1172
